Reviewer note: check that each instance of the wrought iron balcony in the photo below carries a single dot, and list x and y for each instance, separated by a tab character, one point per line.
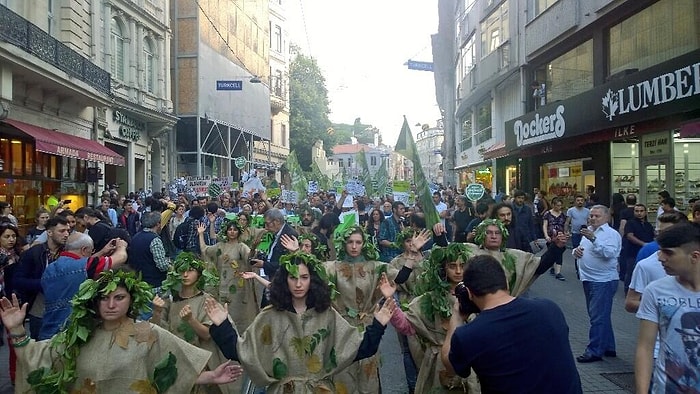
18	31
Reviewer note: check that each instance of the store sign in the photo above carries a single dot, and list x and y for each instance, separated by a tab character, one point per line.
657	144
129	128
660	91
474	191
542	127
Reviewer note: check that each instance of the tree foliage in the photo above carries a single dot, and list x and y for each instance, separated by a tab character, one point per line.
309	108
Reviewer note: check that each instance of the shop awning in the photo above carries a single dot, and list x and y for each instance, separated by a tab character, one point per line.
690	129
62	144
496	151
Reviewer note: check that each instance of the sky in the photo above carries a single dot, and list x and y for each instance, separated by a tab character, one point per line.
361	47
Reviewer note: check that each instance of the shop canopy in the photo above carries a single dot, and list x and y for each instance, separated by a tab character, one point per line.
61	144
496	151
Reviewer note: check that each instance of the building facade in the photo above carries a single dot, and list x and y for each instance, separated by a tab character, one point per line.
220	90
59	136
327	166
345	157
579	95
429	143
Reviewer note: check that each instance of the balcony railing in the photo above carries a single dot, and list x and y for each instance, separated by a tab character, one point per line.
20	32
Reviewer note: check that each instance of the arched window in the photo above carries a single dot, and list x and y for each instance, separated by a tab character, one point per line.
149	65
117	41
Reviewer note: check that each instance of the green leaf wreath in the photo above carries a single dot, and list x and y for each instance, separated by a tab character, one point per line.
185	261
291	262
340	236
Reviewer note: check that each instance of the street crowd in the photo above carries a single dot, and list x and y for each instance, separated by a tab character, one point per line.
246	293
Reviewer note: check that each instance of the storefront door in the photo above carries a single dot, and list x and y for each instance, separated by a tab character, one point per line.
657	179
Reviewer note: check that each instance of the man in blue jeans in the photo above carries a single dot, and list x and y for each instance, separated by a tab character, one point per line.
597	263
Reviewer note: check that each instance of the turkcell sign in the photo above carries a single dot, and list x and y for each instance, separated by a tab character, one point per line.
229	85
542	127
422	66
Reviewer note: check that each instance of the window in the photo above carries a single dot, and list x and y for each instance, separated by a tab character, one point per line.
539	6
277	43
149	66
284	135
341	163
494	30
466	136
373	160
467	56
117	41
662	31
349	161
569	74
483	122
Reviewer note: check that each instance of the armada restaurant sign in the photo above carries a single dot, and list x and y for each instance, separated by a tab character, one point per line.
669	88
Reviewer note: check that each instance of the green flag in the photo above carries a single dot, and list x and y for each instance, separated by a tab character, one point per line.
406	147
323	181
382	179
299	183
363	169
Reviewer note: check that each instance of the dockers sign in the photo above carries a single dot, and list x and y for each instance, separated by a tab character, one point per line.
670	88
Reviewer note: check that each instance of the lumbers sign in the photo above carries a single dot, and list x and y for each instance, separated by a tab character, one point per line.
669	88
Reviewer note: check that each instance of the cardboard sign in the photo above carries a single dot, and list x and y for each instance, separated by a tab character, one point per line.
312	187
199	184
289	196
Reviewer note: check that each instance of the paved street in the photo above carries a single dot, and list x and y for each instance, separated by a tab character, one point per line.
570	298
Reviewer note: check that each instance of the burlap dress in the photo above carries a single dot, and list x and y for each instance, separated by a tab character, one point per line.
172	322
119	361
357	283
407	290
288	352
519	277
230	259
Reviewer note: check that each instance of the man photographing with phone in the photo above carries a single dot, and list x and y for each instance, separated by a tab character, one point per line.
536	360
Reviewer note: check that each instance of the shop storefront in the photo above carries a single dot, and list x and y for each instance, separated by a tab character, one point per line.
637	135
482	174
38	165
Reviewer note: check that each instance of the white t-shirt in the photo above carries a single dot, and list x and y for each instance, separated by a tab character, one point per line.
676	310
441	207
646	271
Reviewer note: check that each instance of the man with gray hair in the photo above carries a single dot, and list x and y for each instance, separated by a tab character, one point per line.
597	264
62	278
146	251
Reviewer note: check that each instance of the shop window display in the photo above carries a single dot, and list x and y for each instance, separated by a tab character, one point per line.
686	176
563	180
625	168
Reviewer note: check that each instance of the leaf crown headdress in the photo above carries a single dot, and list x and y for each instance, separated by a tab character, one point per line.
291	262
186	261
481	231
369	249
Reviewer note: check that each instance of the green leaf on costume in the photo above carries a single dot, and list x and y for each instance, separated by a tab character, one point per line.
352	312
233	289
301	345
331	362
35	376
187	331
509	265
381	268
165	373
279	369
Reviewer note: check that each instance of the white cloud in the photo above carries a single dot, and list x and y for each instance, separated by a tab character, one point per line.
362	47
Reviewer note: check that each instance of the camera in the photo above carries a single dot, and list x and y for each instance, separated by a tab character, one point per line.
584	227
466	306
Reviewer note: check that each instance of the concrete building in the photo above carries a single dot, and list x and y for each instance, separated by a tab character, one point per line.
572	95
345	156
327	166
429	143
221	67
273	153
84	100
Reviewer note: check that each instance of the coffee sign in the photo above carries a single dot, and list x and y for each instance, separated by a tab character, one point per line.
129	128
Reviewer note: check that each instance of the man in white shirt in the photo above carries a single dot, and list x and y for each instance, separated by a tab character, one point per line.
440	206
597	263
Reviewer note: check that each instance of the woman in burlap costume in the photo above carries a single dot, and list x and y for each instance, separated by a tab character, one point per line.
183	314
248	233
522	268
426	319
356	276
230	258
300	342
103	349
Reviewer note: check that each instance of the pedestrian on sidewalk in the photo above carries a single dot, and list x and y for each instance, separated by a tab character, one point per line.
597	262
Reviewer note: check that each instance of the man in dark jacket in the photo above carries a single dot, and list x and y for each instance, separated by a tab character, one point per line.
26	279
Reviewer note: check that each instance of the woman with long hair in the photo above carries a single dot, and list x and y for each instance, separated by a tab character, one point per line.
356	275
301	342
42	216
230	257
177	219
553	223
374	222
103	349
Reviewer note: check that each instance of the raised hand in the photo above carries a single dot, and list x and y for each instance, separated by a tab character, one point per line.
420	239
201	228
383	314
439	229
290	243
386	287
12	314
186	313
217	313
158	303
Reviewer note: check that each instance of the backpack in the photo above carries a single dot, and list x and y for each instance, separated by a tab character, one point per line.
181	235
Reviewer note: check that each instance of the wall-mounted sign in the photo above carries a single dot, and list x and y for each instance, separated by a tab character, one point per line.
229	85
656	144
474	191
129	128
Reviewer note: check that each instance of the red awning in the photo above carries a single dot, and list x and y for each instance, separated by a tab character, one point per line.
62	144
496	151
690	130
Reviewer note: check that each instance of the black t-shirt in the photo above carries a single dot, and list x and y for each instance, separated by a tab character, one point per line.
462	219
536	360
100	234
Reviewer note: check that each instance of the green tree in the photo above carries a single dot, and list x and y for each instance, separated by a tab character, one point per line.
309	108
